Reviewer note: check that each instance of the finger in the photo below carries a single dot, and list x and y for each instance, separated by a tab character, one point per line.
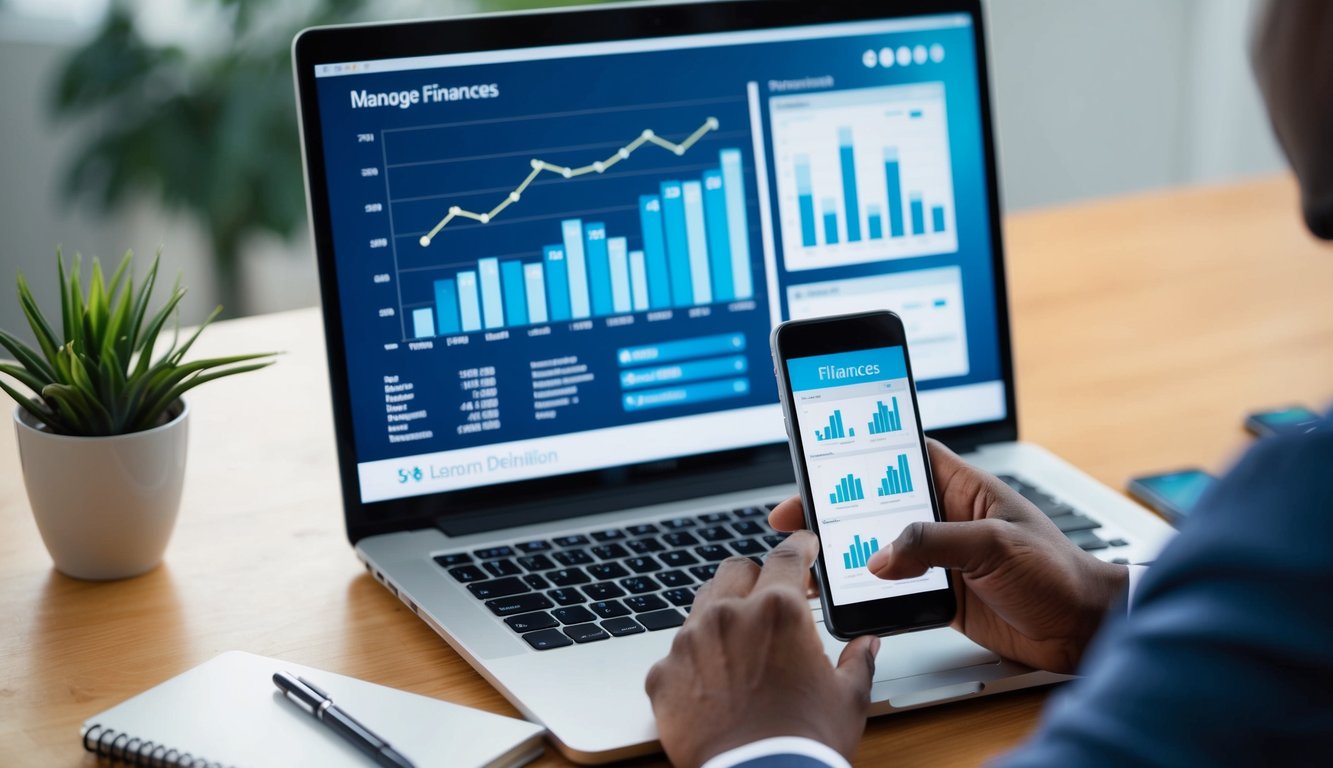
856	665
965	492
788	516
946	545
788	564
735	577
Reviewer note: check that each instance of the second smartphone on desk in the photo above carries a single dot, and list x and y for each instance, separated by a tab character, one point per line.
862	467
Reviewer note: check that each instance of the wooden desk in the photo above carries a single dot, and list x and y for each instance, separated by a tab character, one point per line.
1144	329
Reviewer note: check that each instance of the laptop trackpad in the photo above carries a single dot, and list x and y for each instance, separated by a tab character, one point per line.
919	653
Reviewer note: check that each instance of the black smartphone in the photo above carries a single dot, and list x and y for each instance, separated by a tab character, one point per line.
850	405
1173	494
1292	420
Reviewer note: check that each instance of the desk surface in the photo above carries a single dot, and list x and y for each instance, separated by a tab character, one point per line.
1144	328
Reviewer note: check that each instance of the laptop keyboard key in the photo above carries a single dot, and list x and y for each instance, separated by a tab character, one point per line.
574	614
643	564
567	577
493	553
679	597
547	639
622	627
747	547
610	551
449	560
715	533
642	530
488	590
573	557
609	609
644	546
1075	522
677	559
536	582
677	523
749	512
1118	543
639	585
713	553
577	540
603	591
566	596
642	603
508	606
612	534
605	571
661	619
713	518
749	528
500	568
1086	541
704	572
674	578
680	539
531	622
532	547
466	574
536	563
774	539
586	633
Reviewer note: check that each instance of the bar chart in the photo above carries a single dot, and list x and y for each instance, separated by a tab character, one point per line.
694	251
849	489
897	479
863	175
858	554
886	420
835	429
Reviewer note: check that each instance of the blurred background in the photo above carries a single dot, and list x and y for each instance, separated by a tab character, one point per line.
171	123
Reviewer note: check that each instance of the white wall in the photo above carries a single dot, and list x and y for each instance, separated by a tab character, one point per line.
1093	98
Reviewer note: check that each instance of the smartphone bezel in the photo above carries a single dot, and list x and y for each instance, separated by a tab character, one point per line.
850	333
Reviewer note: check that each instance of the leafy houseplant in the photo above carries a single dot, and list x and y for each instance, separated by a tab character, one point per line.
102	432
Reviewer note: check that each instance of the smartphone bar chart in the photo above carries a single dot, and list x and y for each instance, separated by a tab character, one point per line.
885	420
835	429
896	480
695	251
858	554
863	175
849	489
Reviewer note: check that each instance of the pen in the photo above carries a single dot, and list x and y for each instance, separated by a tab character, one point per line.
318	704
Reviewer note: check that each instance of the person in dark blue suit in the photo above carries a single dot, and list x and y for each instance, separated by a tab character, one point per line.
1220	654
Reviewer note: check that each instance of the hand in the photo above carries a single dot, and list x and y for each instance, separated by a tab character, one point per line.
749	665
1024	590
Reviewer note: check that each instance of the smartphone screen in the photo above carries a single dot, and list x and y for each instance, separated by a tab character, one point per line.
1295	420
865	463
1174	494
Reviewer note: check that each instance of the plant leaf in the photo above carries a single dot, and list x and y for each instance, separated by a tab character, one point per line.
28	357
46	338
24	377
34	407
153	412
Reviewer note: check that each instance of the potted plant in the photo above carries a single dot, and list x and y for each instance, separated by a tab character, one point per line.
102	434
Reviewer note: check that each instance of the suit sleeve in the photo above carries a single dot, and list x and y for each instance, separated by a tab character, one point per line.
1226	657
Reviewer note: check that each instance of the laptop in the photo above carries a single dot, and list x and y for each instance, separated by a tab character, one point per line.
551	248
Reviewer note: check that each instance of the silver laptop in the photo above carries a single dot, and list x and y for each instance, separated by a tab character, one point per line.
551	249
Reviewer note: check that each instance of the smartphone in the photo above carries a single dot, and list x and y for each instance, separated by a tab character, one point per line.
861	464
1173	494
1292	420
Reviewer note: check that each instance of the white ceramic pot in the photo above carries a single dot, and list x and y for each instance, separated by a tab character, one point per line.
105	505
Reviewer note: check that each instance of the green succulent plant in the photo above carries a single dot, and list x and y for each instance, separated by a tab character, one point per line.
104	374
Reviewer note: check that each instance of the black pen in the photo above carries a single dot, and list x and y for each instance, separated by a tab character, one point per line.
318	703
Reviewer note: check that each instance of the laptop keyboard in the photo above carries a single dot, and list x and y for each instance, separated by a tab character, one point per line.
585	587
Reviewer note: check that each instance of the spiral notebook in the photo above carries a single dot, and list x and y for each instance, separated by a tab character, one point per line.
226	712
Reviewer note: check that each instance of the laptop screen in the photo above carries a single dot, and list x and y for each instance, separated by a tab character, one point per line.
564	259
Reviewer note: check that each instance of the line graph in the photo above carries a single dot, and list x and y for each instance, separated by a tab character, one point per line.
648	136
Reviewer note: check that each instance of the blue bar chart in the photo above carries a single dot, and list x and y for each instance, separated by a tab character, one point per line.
897	479
849	489
835	429
858	554
886	420
694	251
863	175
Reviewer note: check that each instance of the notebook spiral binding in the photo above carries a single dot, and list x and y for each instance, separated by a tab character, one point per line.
117	747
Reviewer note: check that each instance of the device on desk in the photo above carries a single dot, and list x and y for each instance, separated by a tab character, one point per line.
1292	420
551	248
1173	494
849	403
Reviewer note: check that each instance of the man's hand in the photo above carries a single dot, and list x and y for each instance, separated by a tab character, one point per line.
1024	590
749	665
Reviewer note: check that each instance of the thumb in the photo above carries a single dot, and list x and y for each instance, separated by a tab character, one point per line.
926	545
856	665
